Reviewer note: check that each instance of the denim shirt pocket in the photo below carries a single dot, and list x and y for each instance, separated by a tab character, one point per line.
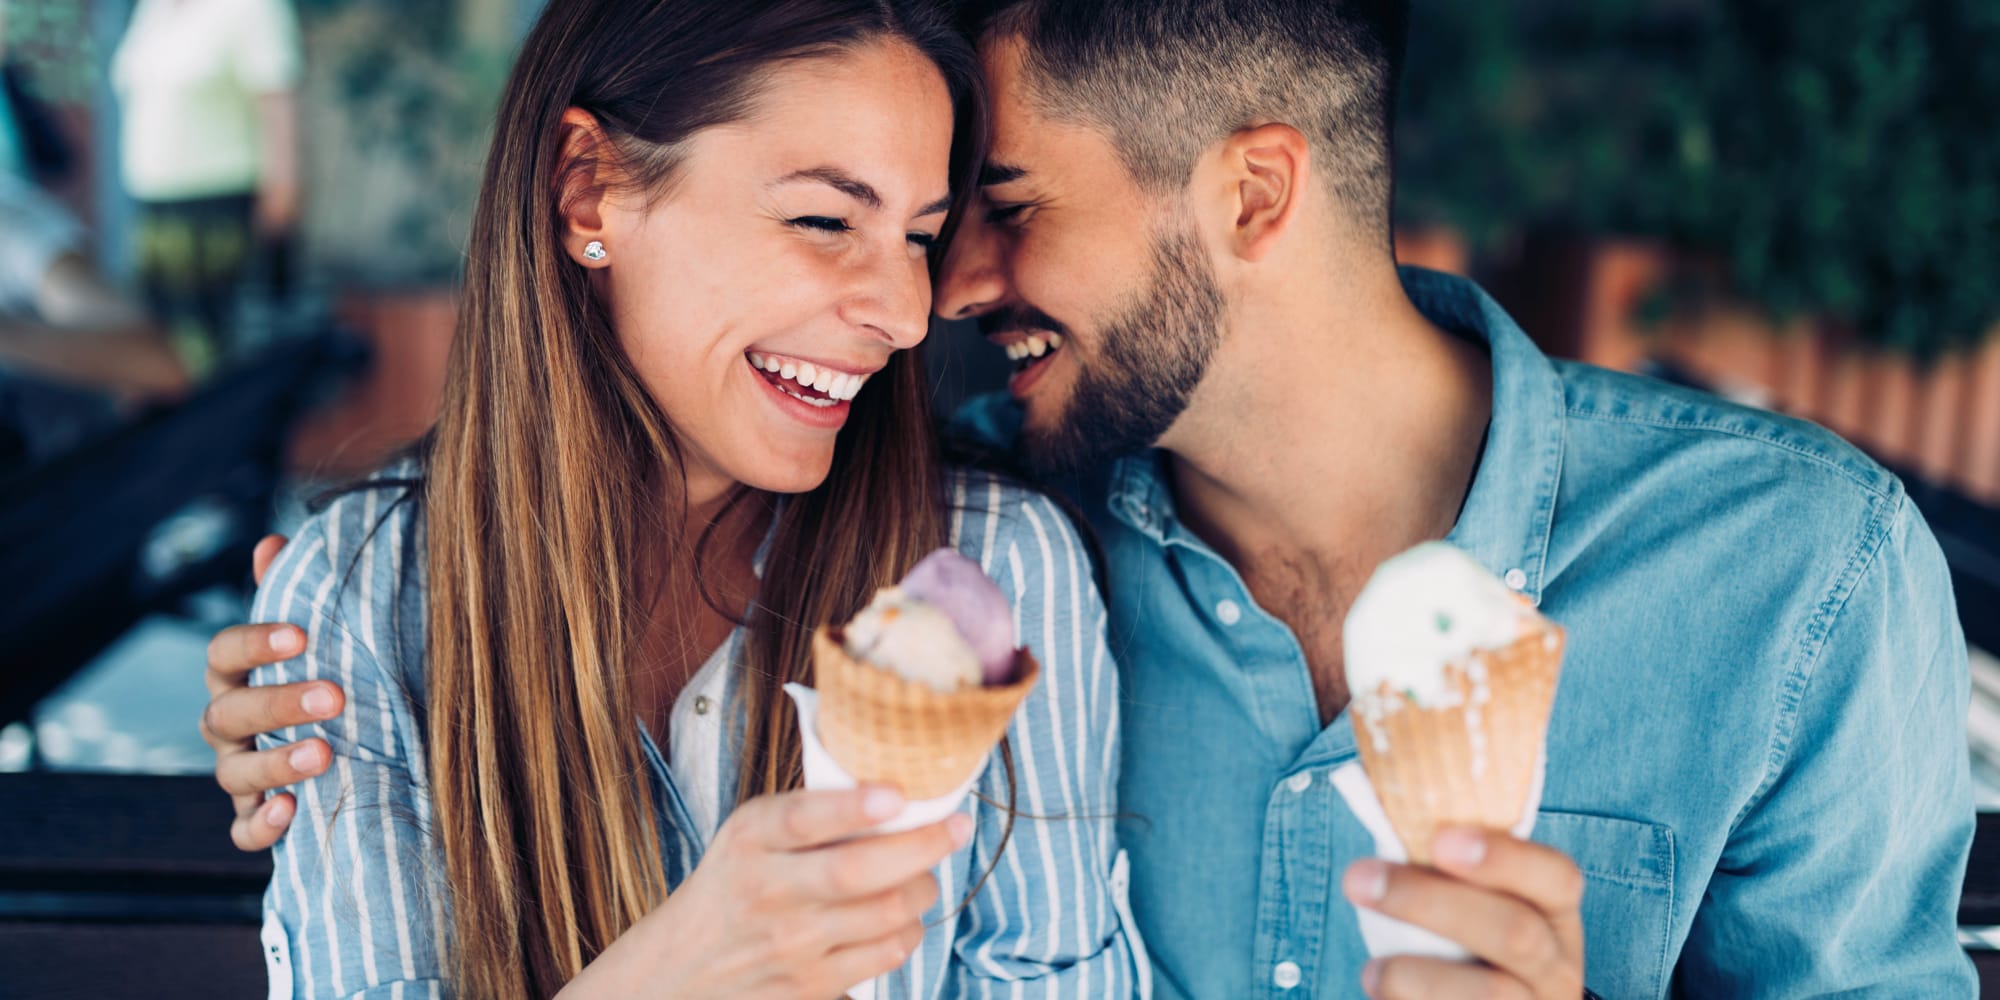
1628	897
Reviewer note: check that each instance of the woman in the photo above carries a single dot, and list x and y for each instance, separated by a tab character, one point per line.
680	197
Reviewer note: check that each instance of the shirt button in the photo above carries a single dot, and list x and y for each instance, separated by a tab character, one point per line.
702	704
1298	783
1229	612
1286	975
1516	579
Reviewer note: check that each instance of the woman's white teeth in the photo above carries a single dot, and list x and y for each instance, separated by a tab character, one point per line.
839	386
1034	345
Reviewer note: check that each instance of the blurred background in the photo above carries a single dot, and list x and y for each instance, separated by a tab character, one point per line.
227	266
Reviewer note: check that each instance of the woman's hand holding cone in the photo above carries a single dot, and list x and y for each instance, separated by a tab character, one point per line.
786	904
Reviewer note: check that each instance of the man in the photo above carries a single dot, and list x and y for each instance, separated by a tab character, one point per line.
1757	779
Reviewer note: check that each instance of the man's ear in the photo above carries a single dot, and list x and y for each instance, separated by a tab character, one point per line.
1259	177
585	177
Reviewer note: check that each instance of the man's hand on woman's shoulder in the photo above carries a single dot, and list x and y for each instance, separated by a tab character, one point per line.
237	713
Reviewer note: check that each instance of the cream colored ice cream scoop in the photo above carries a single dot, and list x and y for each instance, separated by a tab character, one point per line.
916	640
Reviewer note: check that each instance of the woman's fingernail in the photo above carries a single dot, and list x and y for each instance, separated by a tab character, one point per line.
1460	847
1370	974
304	758
882	803
960	828
284	640
1366	881
278	813
318	701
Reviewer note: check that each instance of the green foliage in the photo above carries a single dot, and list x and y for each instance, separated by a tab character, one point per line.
1840	158
409	96
52	39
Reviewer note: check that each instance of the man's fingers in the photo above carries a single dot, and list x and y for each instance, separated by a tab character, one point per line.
1499	928
876	864
1540	875
263	826
797	821
263	555
256	772
239	649
240	714
1409	977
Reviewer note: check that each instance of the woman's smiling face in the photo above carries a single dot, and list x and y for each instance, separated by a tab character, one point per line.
785	264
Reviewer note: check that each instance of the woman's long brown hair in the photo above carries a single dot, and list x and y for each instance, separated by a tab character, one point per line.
551	467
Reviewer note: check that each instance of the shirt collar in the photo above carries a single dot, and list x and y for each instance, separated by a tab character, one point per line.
1510	510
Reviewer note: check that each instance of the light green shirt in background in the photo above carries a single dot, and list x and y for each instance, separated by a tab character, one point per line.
188	75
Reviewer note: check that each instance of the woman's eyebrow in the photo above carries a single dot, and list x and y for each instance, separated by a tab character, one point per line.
853	187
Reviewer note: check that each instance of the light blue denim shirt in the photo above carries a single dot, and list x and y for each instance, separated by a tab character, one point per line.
1757	755
357	906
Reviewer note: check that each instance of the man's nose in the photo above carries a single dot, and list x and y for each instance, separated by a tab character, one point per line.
973	279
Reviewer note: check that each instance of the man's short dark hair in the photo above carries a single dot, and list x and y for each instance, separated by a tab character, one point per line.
1164	79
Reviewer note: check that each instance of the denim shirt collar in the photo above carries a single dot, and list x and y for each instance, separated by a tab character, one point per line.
1510	510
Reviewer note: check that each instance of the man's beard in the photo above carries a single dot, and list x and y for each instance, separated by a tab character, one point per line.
1144	365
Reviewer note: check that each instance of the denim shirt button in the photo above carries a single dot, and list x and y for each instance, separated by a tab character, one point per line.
1516	579
702	703
1286	975
1228	612
1298	783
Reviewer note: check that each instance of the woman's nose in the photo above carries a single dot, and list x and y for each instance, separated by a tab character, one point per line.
893	299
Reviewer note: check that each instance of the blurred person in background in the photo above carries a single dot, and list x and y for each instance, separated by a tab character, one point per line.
209	144
60	318
72	346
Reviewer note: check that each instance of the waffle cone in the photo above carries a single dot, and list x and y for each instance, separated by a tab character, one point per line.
882	727
1474	762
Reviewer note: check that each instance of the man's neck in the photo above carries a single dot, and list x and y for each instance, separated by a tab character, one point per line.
1345	426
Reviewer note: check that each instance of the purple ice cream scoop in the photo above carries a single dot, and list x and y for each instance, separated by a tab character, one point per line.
961	590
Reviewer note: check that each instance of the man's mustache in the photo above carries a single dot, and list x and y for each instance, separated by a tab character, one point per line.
1019	319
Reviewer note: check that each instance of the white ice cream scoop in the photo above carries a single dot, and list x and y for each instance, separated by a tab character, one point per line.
1428	607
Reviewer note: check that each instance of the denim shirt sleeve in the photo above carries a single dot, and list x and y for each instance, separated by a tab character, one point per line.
1843	874
1047	922
356	888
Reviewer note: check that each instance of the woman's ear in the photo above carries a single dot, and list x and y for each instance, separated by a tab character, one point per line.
585	178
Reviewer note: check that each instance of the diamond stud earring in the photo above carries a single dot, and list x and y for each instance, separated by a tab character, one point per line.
594	250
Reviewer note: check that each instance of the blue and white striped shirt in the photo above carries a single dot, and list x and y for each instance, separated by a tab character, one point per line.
357	904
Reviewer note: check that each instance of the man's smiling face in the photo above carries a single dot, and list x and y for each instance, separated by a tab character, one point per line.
1100	290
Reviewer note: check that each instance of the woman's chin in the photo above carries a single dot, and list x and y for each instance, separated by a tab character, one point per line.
798	474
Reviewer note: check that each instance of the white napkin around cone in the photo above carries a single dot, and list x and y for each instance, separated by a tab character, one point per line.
823	773
1385	935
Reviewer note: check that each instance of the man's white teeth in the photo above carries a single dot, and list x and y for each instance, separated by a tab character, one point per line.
1034	345
840	386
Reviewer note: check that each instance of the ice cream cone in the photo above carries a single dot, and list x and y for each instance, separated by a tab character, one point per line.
1475	757
884	728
